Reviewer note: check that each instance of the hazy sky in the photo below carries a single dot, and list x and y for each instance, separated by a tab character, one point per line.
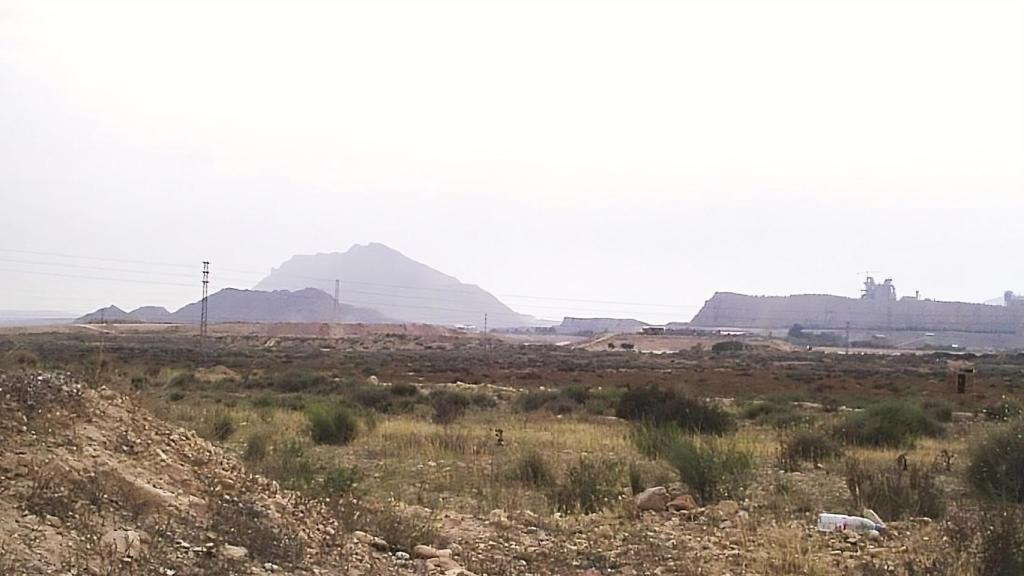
622	151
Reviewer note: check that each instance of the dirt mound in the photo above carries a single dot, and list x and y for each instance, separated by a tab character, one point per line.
92	484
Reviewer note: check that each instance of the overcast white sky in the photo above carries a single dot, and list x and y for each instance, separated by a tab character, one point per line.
623	151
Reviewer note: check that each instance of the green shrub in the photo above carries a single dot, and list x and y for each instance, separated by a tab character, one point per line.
532	468
587	487
404	389
1002	543
535	400
890	423
332	424
182	379
1003	411
288	464
662	406
603	401
776	415
728	346
714	470
996	467
636	479
223	426
654	440
483	400
895	493
338	481
264	400
940	410
376	398
300	381
176	395
807	446
256	448
449	405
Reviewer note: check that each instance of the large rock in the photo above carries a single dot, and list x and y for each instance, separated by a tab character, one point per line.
655	499
233	552
727	508
682	502
124	543
426	552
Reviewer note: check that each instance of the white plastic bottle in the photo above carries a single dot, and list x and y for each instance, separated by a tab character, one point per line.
843	523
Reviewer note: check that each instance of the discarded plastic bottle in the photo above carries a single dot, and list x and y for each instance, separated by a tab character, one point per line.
843	523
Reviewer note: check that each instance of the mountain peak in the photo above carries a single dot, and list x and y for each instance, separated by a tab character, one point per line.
376	276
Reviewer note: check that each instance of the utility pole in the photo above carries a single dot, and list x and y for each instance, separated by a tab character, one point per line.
337	293
203	315
485	331
847	337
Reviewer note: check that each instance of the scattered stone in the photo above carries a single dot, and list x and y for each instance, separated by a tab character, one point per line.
423	551
682	502
233	552
124	543
654	499
727	508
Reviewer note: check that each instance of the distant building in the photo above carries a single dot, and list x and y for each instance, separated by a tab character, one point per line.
873	291
652	330
1012	299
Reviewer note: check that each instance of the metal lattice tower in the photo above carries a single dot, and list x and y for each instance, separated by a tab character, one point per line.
337	293
203	315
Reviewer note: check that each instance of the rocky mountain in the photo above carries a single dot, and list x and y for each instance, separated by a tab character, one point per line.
234	305
108	314
378	277
581	326
151	315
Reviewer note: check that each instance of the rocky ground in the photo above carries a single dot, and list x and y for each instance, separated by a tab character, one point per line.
93	484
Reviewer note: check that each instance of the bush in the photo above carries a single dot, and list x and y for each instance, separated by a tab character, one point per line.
255	448
1003	411
449	406
404	389
940	410
587	487
375	398
654	440
807	446
603	401
713	470
223	426
1002	543
728	346
891	424
534	400
661	406
776	415
332	424
400	529
339	481
288	464
895	493
996	467
299	381
532	468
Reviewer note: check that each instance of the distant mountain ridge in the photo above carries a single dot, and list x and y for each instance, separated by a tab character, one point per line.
234	305
383	279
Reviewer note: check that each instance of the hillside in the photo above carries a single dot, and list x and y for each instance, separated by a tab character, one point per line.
100	486
378	277
234	305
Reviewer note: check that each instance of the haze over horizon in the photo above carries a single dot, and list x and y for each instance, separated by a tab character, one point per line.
645	153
